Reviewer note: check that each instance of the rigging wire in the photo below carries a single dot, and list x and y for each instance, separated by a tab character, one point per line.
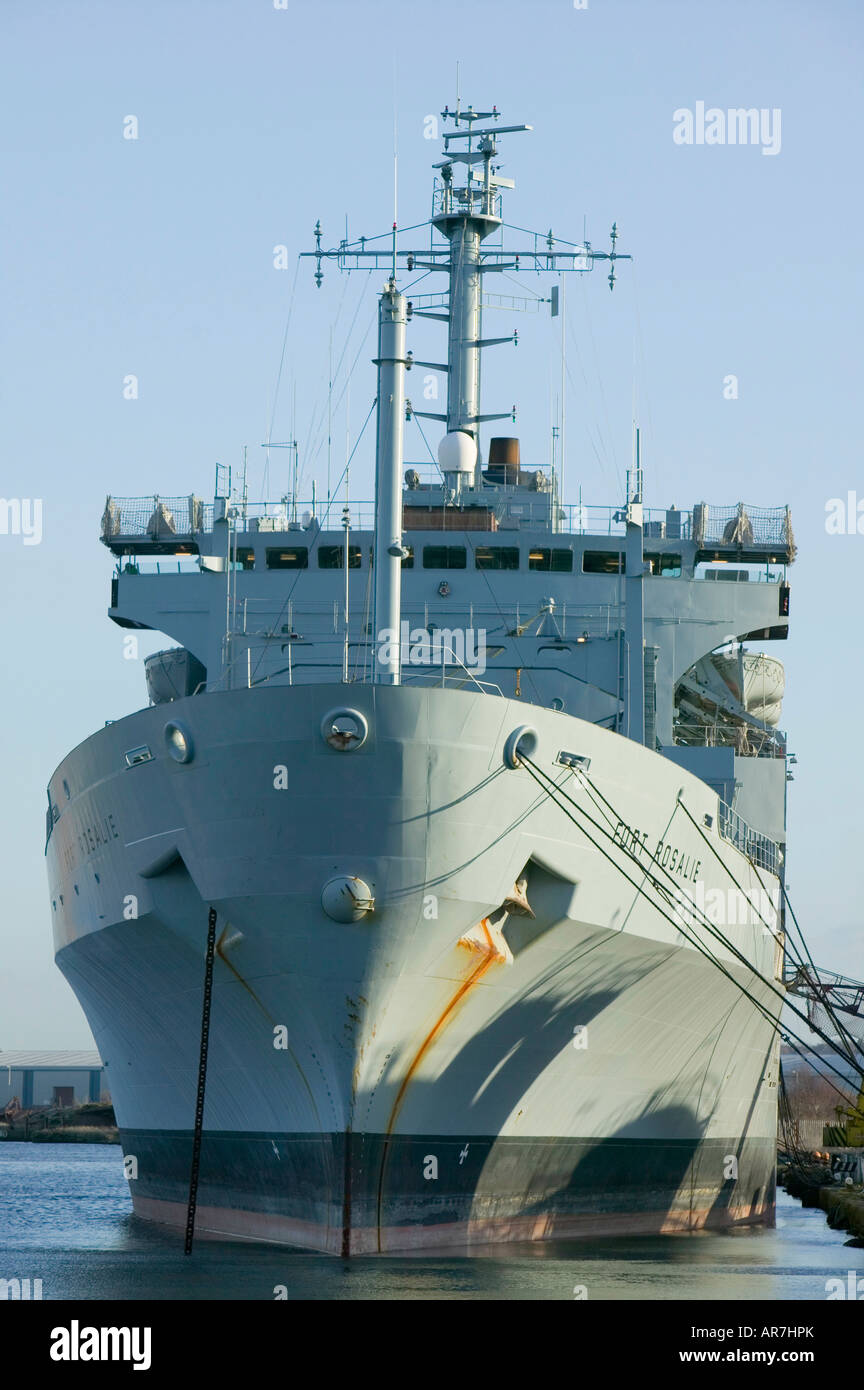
703	950
345	388
349	248
705	921
538	774
319	415
426	442
363	647
595	792
313	544
291	297
526	290
601	390
823	1000
541	236
470	546
643	359
603	462
501	614
854	1045
424	276
849	1048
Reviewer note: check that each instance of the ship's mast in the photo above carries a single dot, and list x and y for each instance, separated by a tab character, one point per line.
465	214
634	603
391	362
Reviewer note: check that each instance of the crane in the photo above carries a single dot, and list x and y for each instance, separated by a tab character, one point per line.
835	1003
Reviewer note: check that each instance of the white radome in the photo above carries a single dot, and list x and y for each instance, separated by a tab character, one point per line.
457	452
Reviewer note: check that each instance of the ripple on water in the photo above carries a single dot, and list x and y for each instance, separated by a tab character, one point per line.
68	1220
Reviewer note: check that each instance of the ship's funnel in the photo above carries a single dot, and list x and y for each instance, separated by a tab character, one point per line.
503	465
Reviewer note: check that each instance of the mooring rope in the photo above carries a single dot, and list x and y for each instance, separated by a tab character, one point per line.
701	920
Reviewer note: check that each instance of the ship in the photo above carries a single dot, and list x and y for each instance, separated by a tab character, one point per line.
434	899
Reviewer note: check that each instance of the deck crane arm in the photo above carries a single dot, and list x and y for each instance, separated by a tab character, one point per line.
836	1003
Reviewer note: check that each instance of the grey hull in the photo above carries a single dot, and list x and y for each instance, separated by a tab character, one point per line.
414	1079
274	1187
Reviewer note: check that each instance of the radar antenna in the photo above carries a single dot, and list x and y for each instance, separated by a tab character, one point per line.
466	210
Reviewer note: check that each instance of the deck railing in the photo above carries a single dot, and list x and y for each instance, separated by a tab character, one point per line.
759	849
744	738
165	518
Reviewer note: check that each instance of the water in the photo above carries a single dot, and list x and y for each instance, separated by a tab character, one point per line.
67	1220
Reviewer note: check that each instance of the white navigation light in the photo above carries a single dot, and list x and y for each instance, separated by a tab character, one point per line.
457	452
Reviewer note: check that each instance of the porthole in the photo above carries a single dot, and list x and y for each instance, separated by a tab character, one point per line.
178	741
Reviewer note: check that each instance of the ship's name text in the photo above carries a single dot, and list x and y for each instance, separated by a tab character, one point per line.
90	838
668	856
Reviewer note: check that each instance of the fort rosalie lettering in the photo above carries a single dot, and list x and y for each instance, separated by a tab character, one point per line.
667	855
90	838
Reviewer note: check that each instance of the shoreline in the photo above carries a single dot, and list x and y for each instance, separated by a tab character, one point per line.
90	1123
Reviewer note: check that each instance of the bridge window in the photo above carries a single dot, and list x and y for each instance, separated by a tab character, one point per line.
295	558
496	557
559	561
664	564
332	557
444	557
603	562
245	557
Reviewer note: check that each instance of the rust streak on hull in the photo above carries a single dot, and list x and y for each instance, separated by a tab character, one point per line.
291	1053
236	973
489	956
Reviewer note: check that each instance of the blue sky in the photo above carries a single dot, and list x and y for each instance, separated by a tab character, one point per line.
154	257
